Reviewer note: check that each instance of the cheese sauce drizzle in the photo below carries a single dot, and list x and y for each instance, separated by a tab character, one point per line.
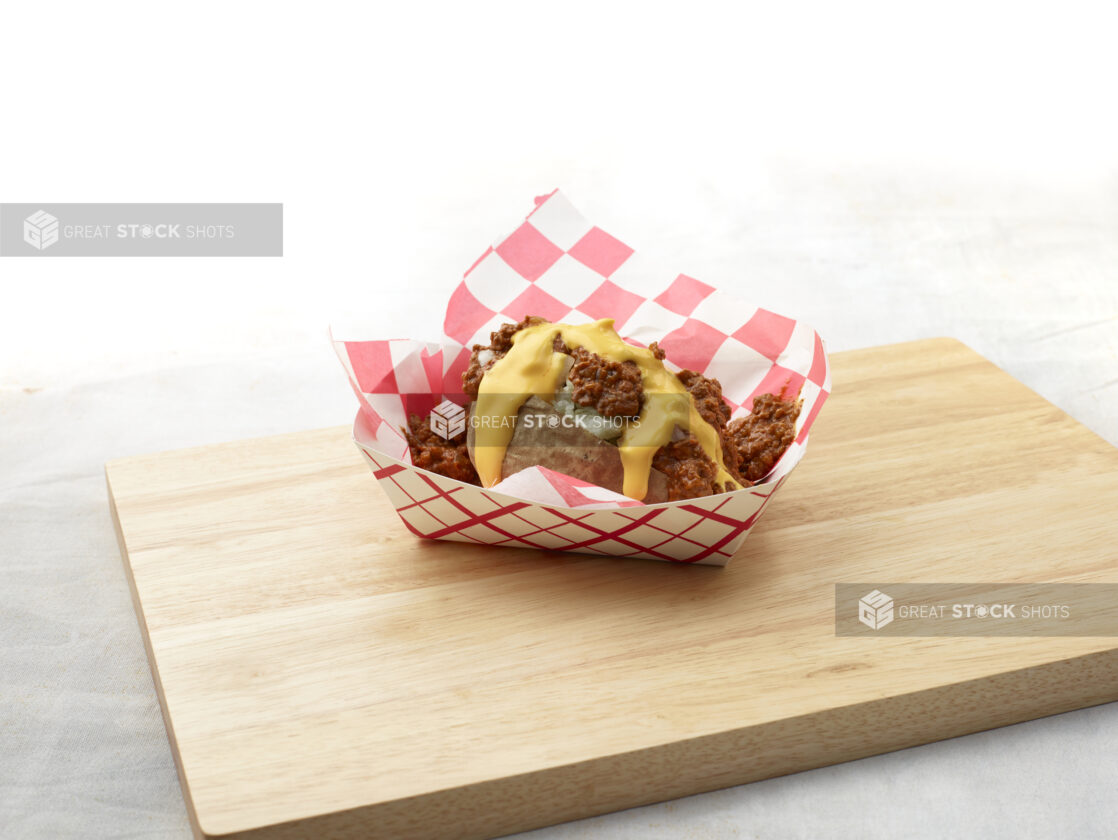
532	367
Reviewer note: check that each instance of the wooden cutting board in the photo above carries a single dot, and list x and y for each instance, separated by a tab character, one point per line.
323	673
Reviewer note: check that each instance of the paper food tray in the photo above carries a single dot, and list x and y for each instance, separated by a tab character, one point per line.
559	266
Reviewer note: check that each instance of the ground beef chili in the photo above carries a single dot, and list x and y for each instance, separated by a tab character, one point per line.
613	389
707	394
445	457
500	342
751	445
689	470
755	443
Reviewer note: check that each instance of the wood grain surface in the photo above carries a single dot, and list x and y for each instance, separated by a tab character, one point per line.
323	673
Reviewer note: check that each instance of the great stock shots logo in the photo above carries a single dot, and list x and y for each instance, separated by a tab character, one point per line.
40	230
875	609
51	230
448	419
976	609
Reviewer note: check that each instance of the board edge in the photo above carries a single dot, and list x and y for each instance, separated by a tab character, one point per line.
184	785
715	761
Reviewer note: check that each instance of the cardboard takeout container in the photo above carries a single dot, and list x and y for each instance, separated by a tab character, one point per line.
557	265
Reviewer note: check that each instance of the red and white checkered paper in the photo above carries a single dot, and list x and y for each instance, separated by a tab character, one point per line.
558	265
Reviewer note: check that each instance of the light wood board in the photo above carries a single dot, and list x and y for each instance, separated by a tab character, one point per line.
323	673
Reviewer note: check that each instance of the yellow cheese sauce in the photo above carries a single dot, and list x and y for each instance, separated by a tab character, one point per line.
532	367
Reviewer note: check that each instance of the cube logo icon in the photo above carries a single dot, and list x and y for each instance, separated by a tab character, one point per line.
448	419
40	230
875	610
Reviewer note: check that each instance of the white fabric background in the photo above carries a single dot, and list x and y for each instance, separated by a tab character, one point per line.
883	175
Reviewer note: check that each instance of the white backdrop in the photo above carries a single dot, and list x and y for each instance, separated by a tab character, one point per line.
883	172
